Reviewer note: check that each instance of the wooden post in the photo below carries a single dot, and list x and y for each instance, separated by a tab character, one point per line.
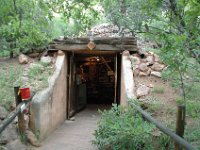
21	121
115	64
180	124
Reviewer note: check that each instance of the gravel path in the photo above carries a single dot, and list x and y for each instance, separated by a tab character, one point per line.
74	135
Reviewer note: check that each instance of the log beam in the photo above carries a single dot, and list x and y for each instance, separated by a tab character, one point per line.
102	40
103	47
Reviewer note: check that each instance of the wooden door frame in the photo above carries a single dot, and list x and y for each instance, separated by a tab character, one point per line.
68	86
119	59
116	74
70	82
71	88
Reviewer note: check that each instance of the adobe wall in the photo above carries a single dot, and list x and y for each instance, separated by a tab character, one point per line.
48	108
127	80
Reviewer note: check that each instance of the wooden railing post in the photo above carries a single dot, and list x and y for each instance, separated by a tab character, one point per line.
180	124
21	121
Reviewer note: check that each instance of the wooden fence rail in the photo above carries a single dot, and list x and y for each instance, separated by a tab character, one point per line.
179	140
20	106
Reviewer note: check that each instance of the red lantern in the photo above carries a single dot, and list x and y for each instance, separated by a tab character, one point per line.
25	93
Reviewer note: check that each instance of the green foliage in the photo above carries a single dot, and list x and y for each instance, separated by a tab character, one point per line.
121	128
35	70
24	25
175	27
193	109
193	133
154	106
126	14
179	101
78	15
165	74
165	142
191	87
59	26
23	138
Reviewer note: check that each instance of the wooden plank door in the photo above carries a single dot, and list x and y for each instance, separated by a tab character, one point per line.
81	98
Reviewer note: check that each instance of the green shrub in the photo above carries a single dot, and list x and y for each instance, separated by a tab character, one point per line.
193	109
154	106
35	71
121	129
192	134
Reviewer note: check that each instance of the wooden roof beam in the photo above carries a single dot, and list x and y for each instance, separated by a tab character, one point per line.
102	40
102	47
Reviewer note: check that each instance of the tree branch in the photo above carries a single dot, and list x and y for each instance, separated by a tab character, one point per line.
18	13
173	7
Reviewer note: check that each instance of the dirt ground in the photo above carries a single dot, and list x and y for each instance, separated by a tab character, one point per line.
161	100
29	72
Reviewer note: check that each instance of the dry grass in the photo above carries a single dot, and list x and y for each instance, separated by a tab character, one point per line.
9	75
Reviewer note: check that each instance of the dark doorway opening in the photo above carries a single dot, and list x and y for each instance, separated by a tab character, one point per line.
95	75
94	79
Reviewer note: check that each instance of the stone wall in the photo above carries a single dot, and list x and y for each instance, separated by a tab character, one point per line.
127	81
48	108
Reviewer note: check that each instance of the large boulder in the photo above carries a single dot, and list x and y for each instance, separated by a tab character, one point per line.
157	66
135	60
143	67
142	90
141	73
23	59
156	74
150	59
45	59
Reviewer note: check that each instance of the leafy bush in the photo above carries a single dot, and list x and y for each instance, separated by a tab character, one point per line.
121	129
193	109
193	133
